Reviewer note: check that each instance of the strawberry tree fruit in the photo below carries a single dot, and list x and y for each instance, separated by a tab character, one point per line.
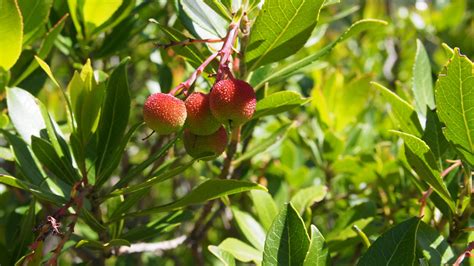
200	120
164	113
208	146
232	101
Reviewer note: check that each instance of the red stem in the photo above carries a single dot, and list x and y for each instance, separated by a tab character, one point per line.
465	253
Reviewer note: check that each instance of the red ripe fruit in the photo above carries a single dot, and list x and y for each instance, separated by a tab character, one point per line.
200	120
164	113
232	101
210	145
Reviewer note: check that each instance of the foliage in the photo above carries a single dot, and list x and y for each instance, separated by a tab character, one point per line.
360	151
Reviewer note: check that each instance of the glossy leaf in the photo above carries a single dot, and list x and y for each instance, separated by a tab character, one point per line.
318	253
278	102
209	190
224	257
433	134
34	15
96	12
265	207
305	197
287	240
250	228
422	81
114	117
397	246
455	104
204	17
11	30
403	112
25	113
280	30
422	160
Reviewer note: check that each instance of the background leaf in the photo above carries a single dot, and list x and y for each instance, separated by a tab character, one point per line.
422	81
305	197
278	102
434	246
250	228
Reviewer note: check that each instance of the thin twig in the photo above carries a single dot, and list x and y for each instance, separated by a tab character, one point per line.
466	253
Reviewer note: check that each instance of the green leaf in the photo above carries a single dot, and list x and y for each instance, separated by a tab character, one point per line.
318	253
257	148
204	17
422	160
455	104
209	190
114	117
433	134
94	244
250	228
402	111
74	11
290	69
422	81
219	8
241	251
287	240
47	70
46	154
33	189
34	16
45	48
96	12
225	257
189	52
280	30
24	237
154	228
154	180
304	198
122	13
11	30
265	207
278	102
434	246
24	159
395	247
25	113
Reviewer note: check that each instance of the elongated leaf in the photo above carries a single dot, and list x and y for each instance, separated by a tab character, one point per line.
34	15
96	12
129	202
24	159
434	246
154	180
250	228
24	237
433	134
278	102
262	146
45	48
240	250
209	190
47	70
403	112
94	244
11	30
395	247
114	116
306	197
224	257
203	17
280	30
265	207
455	104
287	240
33	189
25	113
318	253
422	80
354	29
422	160
46	154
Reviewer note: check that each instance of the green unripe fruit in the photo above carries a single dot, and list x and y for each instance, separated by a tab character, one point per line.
164	113
200	120
232	101
210	145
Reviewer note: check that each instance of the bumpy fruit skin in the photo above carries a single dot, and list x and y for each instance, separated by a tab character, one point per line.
232	101
210	145
164	113
200	120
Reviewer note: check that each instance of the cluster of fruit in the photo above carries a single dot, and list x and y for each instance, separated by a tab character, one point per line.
231	102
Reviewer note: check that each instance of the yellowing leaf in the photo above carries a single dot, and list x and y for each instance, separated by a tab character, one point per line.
11	33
